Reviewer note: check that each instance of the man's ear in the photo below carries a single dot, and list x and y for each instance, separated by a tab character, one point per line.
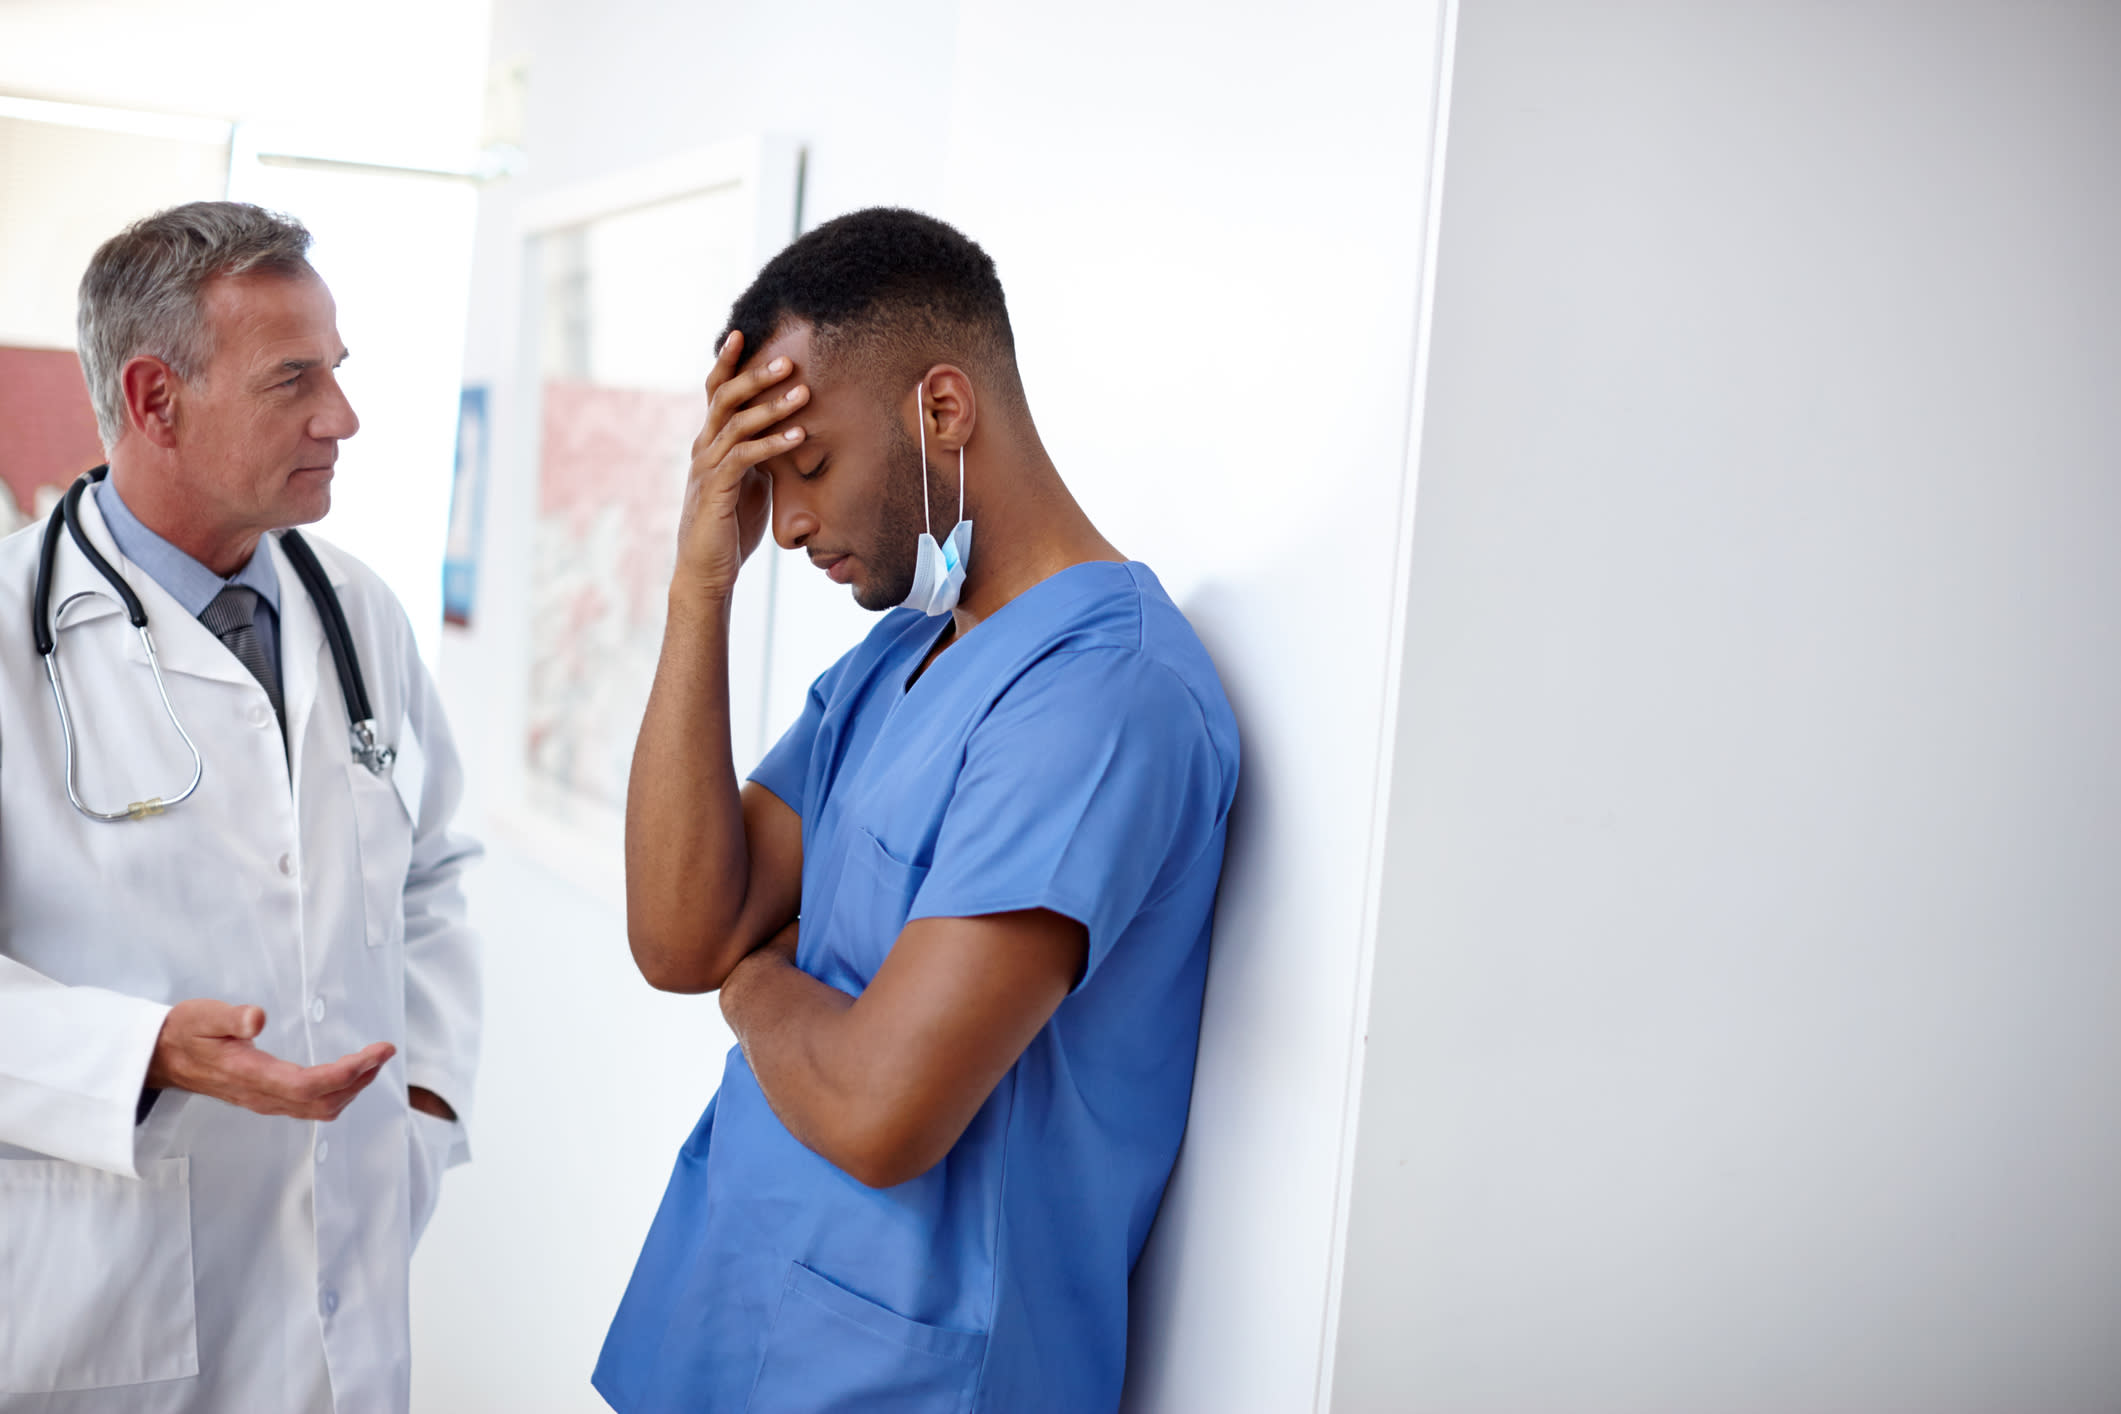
149	387
950	405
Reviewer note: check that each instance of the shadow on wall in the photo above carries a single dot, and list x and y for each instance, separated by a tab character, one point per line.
1216	615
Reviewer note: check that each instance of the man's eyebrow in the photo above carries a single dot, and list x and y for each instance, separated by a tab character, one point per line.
298	365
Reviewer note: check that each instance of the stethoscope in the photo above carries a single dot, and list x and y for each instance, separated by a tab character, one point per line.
44	625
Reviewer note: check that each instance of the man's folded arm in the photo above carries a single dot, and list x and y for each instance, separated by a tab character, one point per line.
883	1084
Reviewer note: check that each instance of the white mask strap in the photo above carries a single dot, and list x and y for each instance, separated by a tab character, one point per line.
920	417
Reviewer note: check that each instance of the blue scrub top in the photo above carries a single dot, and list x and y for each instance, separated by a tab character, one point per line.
1074	752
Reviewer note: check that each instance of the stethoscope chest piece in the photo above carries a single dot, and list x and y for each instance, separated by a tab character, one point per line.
371	753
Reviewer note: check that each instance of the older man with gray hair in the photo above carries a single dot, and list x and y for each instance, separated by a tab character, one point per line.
239	1005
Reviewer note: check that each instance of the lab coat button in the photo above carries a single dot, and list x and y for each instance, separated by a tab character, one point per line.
323	1150
259	716
316	1009
287	864
331	1303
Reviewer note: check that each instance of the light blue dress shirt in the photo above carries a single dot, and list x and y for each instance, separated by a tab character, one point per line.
190	583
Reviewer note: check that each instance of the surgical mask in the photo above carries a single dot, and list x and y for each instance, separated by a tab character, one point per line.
938	570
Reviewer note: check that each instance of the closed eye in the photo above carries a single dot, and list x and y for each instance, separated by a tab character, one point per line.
815	472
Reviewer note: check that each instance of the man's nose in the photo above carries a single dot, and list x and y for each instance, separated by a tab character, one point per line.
793	522
336	420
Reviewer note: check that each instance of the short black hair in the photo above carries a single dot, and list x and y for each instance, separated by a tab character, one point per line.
891	292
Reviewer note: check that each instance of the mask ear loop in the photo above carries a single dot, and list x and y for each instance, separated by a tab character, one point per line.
920	418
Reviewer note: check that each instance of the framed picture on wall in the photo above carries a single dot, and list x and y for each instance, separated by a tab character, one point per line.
467	509
630	281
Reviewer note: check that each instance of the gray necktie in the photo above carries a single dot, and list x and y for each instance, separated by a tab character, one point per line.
233	618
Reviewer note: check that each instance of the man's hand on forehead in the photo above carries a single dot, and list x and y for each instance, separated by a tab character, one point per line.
726	496
754	394
782	395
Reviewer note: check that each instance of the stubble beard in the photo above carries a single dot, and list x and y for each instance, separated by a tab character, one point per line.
899	525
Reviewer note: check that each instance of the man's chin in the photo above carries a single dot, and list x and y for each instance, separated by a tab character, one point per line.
308	500
876	601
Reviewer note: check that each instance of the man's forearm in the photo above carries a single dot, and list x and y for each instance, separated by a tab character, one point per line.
686	860
884	1084
796	1037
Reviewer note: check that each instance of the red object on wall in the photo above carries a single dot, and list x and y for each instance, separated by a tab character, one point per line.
47	425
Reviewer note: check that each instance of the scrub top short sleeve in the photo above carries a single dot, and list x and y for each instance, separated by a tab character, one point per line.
1090	786
786	768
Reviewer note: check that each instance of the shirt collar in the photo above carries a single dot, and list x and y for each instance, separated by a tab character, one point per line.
190	583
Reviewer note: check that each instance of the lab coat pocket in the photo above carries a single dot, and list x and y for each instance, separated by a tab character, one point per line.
432	1139
385	832
95	1276
832	1350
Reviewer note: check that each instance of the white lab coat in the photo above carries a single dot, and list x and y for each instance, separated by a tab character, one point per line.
212	1259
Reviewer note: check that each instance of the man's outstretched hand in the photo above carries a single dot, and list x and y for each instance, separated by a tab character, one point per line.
207	1047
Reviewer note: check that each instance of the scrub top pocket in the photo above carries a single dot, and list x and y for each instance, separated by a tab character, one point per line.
868	911
832	1352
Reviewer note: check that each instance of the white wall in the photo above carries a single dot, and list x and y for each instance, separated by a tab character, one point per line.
396	69
65	189
1209	222
1746	1025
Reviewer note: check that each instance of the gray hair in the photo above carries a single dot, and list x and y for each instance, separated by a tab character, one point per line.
141	293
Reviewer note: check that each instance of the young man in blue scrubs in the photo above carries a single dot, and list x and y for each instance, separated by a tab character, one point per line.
962	1078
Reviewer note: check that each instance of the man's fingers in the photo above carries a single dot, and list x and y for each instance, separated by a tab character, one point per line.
749	422
724	477
203	1016
734	392
725	359
262	1073
246	1068
730	421
722	467
352	1070
329	1106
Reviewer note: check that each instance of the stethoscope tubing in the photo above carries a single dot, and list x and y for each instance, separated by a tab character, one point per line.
366	747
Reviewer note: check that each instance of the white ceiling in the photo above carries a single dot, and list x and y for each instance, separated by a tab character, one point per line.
394	71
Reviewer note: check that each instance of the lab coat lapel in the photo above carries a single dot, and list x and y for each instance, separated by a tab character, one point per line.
182	643
303	649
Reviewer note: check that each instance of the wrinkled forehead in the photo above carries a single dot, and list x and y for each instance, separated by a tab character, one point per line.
263	315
